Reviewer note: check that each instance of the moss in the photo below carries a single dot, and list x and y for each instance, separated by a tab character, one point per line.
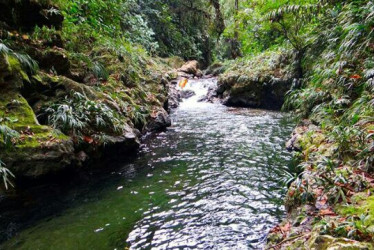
14	106
33	135
328	242
361	205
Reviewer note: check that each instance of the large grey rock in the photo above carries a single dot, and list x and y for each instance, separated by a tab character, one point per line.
243	91
159	122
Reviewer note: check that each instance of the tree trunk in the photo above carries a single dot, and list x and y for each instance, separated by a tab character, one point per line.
219	20
235	44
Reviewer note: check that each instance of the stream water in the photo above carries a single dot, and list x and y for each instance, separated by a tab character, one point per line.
211	181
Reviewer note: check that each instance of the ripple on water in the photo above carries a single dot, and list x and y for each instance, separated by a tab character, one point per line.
232	197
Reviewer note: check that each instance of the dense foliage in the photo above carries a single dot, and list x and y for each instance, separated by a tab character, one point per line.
326	46
333	47
163	28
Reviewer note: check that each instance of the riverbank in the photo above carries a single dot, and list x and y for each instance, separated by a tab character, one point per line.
330	204
329	201
65	104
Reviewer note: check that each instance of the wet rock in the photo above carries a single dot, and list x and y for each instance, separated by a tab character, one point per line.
127	142
35	161
174	97
203	98
243	91
185	94
160	121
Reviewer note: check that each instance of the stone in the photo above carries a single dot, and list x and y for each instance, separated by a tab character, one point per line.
56	59
244	91
191	68
159	122
185	94
215	69
174	97
330	243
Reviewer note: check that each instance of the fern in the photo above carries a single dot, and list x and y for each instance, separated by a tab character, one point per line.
5	174
305	12
6	135
78	115
99	71
28	64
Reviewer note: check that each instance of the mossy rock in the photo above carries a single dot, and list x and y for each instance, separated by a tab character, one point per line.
39	149
326	242
257	82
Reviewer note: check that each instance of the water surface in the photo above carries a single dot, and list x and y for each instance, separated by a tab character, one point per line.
211	181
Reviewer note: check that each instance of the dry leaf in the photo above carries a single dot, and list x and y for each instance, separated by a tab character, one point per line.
286	228
327	212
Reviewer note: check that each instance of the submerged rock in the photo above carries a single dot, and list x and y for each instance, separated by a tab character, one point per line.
185	94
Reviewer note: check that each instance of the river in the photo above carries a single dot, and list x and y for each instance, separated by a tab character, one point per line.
211	181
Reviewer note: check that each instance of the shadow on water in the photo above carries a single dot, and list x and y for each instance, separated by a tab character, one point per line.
211	181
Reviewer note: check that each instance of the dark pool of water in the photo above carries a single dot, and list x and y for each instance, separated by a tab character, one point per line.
211	181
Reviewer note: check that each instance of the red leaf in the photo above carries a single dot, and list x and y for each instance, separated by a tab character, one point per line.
88	139
355	76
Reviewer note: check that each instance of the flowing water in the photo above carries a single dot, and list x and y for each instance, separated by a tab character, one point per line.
211	181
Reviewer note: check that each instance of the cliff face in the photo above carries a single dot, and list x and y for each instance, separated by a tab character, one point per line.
68	105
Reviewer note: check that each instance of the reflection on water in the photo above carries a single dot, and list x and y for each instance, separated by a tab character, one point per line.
209	182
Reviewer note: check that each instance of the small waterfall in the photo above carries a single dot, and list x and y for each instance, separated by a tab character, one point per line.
201	88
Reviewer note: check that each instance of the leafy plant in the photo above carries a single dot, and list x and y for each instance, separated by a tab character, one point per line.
78	115
5	174
6	136
27	63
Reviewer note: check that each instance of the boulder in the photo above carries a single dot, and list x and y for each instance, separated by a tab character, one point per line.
34	161
127	142
159	122
185	94
174	97
244	91
190	68
215	69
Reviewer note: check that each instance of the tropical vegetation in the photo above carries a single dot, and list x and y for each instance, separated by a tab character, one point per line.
88	70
